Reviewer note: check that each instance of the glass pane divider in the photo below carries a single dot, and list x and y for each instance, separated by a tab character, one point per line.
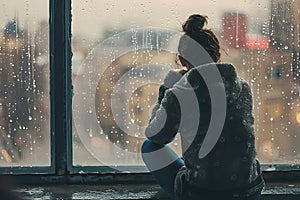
61	86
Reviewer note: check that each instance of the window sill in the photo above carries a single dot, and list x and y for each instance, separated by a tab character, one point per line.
287	191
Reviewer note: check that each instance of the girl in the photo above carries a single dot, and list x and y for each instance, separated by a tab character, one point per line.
230	170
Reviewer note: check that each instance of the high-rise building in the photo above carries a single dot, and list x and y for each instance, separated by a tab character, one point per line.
285	24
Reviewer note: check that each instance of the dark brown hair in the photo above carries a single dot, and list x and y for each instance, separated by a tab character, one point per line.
194	28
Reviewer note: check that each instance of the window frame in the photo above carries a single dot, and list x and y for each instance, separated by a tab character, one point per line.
61	92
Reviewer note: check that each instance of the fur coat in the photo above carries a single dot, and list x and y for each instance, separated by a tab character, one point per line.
231	165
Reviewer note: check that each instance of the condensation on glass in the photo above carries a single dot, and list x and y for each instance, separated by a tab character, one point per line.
261	38
24	84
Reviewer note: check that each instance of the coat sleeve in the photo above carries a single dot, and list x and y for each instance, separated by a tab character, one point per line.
165	118
171	78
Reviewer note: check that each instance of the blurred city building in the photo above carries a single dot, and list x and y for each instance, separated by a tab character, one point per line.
269	62
234	29
24	97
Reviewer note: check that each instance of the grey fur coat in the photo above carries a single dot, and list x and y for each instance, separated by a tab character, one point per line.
231	165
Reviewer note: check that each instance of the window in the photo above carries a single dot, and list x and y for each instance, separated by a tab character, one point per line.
116	43
24	84
88	114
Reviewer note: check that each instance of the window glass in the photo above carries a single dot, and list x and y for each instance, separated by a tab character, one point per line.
24	84
123	49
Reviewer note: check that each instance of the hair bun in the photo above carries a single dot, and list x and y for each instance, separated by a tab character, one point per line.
194	24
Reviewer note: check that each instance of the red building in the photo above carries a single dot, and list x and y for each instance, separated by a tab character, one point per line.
234	29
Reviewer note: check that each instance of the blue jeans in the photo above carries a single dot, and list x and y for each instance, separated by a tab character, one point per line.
166	175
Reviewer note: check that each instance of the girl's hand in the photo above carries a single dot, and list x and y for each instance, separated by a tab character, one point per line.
182	71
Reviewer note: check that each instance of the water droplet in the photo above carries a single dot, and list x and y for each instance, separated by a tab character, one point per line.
91	133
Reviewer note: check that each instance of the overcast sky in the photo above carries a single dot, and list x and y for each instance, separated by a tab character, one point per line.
92	17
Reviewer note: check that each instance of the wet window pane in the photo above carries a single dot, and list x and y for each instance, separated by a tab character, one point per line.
24	83
123	49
